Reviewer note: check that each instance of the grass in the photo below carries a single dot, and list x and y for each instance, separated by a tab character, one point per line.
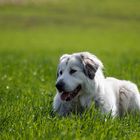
33	37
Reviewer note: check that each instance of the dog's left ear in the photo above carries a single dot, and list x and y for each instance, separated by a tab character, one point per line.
91	64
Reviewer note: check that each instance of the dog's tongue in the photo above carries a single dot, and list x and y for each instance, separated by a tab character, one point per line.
64	95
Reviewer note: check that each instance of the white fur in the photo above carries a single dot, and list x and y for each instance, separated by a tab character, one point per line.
110	94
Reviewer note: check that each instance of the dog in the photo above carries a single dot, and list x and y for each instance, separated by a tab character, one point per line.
80	82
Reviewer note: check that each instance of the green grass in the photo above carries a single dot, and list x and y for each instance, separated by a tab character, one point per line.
33	37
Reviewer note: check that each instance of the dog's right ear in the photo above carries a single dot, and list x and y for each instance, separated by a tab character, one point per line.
57	74
64	56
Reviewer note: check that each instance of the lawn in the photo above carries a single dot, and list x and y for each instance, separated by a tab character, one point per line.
34	36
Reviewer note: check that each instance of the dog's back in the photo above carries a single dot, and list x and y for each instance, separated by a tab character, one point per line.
127	95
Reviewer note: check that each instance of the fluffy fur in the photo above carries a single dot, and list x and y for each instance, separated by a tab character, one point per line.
81	81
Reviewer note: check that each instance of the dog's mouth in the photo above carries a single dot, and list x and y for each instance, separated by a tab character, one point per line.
68	96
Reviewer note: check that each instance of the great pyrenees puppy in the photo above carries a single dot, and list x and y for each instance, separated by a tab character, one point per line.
80	81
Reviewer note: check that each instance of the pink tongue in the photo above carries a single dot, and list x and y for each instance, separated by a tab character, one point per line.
64	96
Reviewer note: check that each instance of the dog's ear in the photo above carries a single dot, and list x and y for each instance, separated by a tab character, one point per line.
90	67
64	56
91	64
57	74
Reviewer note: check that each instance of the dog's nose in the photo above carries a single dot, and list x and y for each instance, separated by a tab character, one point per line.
60	86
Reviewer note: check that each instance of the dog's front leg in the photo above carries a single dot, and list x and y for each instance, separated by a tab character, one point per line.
61	107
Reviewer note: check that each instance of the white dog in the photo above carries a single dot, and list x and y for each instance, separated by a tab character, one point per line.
81	81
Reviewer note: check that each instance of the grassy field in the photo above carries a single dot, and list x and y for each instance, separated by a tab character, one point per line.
33	37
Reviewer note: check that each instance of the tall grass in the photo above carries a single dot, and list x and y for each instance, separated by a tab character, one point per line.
34	36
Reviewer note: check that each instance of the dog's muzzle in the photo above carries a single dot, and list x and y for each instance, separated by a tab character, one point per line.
60	85
69	95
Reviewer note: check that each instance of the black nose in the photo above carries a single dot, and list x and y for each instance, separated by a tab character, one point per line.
60	86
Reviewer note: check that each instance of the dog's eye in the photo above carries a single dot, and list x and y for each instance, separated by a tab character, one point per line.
61	72
72	71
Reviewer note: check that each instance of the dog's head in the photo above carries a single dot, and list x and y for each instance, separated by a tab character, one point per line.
73	72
